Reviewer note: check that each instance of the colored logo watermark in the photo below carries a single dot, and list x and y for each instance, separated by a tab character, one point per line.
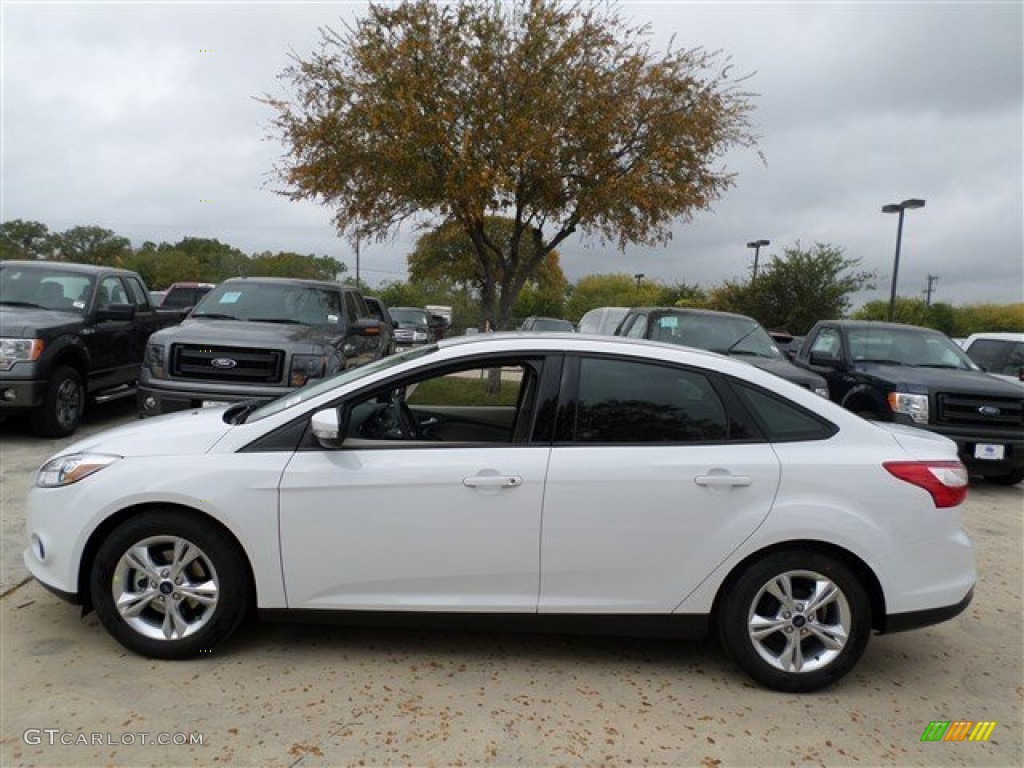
958	730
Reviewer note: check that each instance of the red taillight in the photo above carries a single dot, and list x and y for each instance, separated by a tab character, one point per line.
946	481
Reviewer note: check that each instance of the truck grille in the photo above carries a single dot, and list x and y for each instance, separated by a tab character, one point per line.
195	361
980	411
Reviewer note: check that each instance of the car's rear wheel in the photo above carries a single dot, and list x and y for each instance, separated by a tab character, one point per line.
169	586
795	621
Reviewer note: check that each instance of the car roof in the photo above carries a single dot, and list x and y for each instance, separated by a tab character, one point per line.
290	281
996	336
68	266
692	311
881	325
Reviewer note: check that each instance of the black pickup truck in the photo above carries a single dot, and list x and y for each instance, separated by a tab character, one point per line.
70	331
919	377
257	338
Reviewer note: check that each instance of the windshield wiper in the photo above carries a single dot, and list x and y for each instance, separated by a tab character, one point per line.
939	365
22	304
741	339
881	361
282	320
214	316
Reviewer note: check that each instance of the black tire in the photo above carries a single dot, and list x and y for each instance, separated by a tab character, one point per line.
794	637
1010	478
61	411
165	558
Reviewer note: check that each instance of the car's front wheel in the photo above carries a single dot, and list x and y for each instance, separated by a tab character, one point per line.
169	585
795	621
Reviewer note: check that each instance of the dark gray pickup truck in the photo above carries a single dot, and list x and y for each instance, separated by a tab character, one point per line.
257	338
70	331
919	377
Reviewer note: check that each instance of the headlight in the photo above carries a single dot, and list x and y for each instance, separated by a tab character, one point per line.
65	470
306	367
19	351
914	406
154	360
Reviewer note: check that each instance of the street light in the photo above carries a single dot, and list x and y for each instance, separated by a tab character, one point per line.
639	276
898	208
756	245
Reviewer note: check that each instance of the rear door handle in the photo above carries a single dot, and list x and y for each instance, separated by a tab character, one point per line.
722	480
492	481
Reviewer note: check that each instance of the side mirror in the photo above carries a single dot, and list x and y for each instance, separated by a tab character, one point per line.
825	359
329	427
116	312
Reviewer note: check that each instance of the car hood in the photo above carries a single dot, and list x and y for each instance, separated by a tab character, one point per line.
920	443
175	434
23	322
243	332
785	370
940	379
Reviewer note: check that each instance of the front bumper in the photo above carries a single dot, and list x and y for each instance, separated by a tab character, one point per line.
154	400
17	394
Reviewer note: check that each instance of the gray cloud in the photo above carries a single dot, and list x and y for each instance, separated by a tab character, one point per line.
113	114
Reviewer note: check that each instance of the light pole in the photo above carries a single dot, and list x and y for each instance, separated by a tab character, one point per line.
639	276
756	245
898	208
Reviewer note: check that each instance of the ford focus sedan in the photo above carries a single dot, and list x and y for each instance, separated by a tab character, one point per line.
549	483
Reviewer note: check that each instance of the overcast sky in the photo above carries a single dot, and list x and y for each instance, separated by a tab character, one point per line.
141	118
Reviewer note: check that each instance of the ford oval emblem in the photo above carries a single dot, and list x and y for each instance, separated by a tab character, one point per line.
989	410
223	362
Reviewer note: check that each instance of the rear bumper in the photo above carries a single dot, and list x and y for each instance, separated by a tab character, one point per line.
901	622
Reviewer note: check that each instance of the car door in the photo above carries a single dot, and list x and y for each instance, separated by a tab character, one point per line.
445	520
112	342
652	483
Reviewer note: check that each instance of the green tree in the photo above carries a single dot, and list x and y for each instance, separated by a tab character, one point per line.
286	264
615	290
21	239
91	245
796	290
559	117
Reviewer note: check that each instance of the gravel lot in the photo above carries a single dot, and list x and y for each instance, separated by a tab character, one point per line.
282	695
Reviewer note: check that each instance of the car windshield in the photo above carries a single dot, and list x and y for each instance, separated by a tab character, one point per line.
907	346
726	334
271	302
45	288
406	316
551	324
300	396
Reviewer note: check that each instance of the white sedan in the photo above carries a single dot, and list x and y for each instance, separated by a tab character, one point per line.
541	482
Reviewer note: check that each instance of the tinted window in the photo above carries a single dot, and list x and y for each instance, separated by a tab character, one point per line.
634	402
139	297
781	419
112	292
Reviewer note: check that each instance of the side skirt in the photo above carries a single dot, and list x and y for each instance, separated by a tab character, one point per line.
690	625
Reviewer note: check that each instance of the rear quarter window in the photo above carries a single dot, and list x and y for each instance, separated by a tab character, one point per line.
782	420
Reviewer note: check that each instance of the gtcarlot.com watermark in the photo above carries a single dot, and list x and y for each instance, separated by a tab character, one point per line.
53	737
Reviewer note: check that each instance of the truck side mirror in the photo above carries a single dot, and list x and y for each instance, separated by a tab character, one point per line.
827	359
116	312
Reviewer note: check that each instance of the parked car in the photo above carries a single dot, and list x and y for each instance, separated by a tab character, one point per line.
185	295
387	326
551	324
787	343
256	338
722	332
1001	354
413	326
602	321
70	331
670	491
919	377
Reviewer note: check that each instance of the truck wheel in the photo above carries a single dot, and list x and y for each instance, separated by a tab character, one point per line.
61	410
1010	478
795	621
169	585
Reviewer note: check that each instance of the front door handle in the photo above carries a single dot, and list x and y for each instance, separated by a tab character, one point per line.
722	480
492	481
